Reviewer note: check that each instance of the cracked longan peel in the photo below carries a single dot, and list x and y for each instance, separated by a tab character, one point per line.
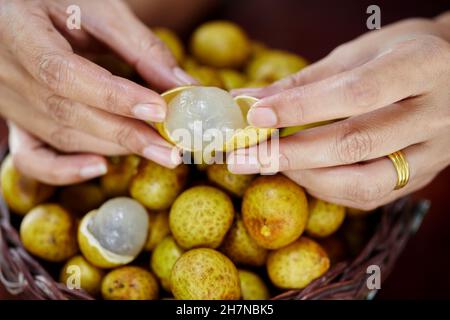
241	138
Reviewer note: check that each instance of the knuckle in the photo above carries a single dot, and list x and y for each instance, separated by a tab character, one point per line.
361	90
152	44
353	144
363	192
299	114
63	139
429	48
125	136
61	110
54	71
111	98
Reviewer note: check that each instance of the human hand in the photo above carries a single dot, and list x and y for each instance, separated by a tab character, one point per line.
393	88
69	102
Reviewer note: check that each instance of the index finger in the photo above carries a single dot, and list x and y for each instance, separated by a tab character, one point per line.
405	71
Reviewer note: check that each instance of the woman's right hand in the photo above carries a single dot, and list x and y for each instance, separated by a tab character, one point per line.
71	103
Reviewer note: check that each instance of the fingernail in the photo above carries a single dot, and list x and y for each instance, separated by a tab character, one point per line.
262	117
165	156
243	164
149	112
183	77
256	92
93	171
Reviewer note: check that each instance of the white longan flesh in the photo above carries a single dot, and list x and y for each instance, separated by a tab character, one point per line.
120	225
214	107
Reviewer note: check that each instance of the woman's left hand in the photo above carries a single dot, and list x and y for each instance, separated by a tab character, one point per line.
393	88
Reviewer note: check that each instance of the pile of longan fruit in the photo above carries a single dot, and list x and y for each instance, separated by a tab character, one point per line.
143	231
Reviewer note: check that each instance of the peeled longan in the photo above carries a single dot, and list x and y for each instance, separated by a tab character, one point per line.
114	234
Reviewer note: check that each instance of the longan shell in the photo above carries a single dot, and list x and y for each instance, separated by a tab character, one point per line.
233	183
240	247
201	217
325	218
296	265
155	186
130	283
252	286
205	274
90	276
274	211
163	259
49	232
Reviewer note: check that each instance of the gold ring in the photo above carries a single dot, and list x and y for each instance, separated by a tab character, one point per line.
402	168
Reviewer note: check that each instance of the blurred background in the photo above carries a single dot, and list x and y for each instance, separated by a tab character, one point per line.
312	29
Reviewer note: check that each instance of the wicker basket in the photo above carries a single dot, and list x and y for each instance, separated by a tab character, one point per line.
22	275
